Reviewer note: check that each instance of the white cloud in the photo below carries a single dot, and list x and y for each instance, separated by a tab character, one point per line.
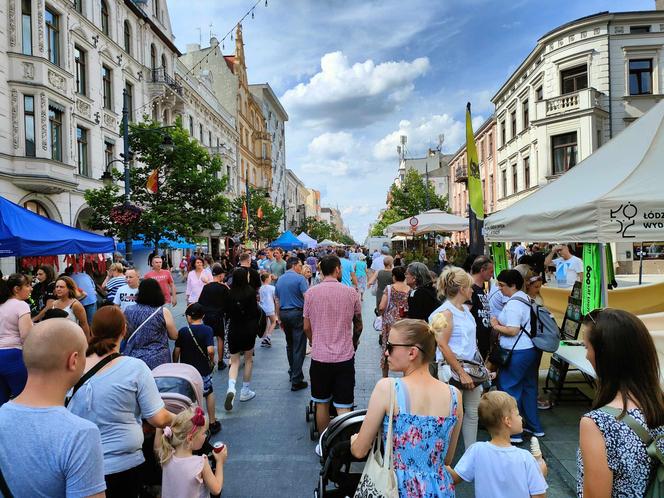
331	145
341	95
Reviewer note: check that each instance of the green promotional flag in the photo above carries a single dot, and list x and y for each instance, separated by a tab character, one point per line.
610	271
591	294
499	257
475	194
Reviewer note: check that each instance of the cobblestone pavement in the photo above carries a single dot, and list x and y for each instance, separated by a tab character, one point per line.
271	454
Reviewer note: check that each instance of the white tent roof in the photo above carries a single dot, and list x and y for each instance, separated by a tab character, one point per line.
328	242
433	220
615	195
308	241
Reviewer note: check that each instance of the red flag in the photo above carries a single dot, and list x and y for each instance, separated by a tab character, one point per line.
259	213
244	210
152	185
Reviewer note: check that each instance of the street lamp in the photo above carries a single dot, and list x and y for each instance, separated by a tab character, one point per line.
127	155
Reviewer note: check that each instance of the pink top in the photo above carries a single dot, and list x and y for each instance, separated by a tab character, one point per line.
330	307
183	478
10	311
195	285
165	280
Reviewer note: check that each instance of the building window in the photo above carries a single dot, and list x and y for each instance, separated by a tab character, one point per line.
156	9
82	143
515	179
78	6
55	132
163	62
36	208
526	117
200	132
81	71
29	124
109	153
26	27
635	30
526	172
166	119
104	17
539	94
153	57
127	37
564	151
52	36
513	121
503	133
504	182
490	151
640	76
129	90
490	192
210	138
574	79
106	77
191	126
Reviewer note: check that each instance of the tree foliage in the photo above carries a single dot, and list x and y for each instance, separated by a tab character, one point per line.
409	199
189	199
265	228
321	230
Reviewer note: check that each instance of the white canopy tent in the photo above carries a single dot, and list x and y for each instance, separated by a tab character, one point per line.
615	195
327	243
309	242
433	220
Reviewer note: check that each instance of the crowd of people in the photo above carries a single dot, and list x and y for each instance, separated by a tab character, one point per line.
77	390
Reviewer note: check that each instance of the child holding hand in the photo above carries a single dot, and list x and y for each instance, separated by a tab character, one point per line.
499	469
186	474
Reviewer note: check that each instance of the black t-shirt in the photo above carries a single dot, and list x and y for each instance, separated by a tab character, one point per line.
189	353
482	314
422	302
41	293
212	297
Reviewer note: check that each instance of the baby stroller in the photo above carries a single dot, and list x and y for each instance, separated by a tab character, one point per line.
336	457
180	386
310	415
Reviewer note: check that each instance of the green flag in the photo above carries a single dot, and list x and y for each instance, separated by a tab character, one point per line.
475	195
499	257
591	294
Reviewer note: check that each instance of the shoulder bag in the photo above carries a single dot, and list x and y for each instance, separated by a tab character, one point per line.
475	369
198	346
101	364
378	477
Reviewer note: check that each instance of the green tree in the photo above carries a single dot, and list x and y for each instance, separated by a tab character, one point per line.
317	229
265	228
409	199
189	197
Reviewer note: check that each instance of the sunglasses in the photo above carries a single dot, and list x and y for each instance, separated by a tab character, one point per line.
389	346
594	314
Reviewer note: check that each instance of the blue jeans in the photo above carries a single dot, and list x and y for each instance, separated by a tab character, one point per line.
296	342
13	374
519	380
90	310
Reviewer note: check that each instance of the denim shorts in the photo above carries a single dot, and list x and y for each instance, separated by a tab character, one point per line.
207	385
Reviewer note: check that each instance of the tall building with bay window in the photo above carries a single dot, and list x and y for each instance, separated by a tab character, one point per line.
582	83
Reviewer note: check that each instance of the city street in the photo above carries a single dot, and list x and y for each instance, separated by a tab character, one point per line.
271	454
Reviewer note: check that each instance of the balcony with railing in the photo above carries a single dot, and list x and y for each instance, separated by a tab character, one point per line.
588	98
160	76
461	174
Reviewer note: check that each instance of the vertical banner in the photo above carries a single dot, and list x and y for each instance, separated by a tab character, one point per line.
499	257
475	194
591	294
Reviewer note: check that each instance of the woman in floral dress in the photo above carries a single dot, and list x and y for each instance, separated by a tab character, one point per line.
394	306
427	417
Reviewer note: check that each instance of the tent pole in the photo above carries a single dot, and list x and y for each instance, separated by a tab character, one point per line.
641	265
603	282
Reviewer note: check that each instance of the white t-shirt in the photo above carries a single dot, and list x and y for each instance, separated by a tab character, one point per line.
496	300
125	297
501	472
516	314
266	293
442	255
518	252
377	263
463	338
567	271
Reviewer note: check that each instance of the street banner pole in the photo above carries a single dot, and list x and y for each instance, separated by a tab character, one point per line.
475	195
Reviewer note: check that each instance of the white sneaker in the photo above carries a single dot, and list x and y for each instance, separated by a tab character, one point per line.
318	450
247	394
230	397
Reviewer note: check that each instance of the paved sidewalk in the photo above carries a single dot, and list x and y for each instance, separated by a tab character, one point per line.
271	455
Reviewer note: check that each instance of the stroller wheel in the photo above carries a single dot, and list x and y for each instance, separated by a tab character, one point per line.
307	413
313	433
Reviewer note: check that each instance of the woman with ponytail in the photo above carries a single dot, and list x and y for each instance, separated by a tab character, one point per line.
458	341
427	412
186	474
15	324
116	397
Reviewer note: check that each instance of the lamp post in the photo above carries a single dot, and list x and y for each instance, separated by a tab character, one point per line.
426	176
127	155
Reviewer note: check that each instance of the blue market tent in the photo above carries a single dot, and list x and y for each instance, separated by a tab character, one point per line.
24	233
287	241
140	245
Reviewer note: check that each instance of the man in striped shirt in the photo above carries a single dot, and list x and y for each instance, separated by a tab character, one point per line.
333	324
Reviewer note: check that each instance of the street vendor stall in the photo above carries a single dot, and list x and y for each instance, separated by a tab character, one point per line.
433	220
287	241
309	242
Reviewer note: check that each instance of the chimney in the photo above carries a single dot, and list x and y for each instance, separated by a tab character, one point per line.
659	4
193	47
213	41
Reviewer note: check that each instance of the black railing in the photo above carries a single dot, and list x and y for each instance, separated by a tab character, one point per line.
159	75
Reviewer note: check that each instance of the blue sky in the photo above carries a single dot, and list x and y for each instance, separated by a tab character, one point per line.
353	75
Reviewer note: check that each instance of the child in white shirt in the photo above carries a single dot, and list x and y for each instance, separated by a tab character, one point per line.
266	294
499	469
